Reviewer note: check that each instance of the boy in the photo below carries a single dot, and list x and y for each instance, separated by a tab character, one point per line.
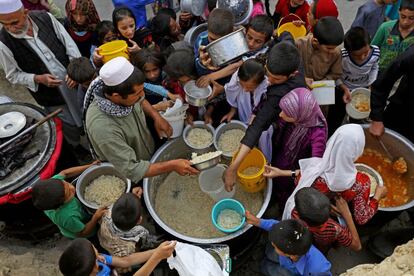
286	9
371	15
120	233
82	258
56	198
321	56
395	36
319	9
360	69
291	251
313	208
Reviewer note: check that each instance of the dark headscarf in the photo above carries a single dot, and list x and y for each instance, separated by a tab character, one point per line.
86	7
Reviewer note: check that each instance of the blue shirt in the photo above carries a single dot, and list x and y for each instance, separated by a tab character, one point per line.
104	269
312	263
201	40
138	9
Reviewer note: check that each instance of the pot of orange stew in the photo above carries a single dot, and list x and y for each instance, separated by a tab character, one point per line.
400	187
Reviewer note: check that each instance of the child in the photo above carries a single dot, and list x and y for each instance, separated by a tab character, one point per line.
56	198
360	69
82	258
121	233
105	32
290	251
282	72
258	8
371	15
319	9
137	7
291	10
313	208
395	36
165	29
321	56
81	22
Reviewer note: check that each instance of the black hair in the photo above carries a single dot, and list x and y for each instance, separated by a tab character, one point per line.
102	29
313	207
119	14
220	22
329	31
145	56
262	24
81	70
251	70
176	46
211	5
48	194
126	211
78	259
181	63
283	59
126	87
291	237
160	24
169	12
407	5
356	38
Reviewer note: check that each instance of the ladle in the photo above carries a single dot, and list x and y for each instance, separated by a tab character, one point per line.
399	165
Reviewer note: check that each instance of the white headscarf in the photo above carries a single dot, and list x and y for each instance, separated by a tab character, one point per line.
336	165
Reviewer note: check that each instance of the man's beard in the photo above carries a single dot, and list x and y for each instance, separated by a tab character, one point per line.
23	32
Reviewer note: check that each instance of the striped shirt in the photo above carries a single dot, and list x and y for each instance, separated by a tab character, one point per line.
359	75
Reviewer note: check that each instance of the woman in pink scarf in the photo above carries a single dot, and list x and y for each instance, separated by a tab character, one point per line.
300	133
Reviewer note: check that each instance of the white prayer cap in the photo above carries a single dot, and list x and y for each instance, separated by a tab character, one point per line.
10	6
116	71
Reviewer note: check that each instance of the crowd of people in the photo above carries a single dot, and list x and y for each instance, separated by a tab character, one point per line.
311	149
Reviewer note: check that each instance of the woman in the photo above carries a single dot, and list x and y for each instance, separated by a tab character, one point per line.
81	22
335	174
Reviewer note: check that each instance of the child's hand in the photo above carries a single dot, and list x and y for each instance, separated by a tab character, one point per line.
205	59
272	172
207	119
252	219
309	82
204	81
189	119
134	48
298	23
347	97
96	57
137	191
164	250
217	90
228	117
174	97
380	192
100	212
342	206
70	83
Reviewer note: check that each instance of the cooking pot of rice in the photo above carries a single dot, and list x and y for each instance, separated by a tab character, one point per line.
165	197
101	185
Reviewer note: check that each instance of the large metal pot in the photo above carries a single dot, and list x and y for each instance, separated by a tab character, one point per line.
178	149
228	48
399	146
195	7
241	9
192	34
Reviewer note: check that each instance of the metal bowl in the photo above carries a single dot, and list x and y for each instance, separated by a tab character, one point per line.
195	7
241	9
208	163
368	170
196	96
94	172
228	48
178	149
192	34
350	108
397	145
233	124
197	124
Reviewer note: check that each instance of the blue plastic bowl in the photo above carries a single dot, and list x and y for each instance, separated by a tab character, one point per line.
228	203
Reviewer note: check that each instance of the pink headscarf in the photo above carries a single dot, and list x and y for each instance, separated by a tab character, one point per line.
301	105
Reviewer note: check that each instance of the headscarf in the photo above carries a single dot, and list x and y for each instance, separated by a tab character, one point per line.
301	105
87	7
336	165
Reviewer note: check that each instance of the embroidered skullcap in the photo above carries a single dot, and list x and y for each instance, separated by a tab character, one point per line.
116	71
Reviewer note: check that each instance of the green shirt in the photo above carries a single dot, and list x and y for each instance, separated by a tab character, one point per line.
126	142
388	39
70	218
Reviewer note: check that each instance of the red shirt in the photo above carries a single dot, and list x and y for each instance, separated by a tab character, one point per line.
283	9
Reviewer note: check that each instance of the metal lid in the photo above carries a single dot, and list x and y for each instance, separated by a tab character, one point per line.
11	123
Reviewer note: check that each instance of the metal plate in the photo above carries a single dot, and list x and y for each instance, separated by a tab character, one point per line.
11	123
44	141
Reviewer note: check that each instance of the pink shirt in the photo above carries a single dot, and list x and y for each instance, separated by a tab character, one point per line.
258	9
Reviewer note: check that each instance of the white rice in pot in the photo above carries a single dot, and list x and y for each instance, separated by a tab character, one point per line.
229	219
229	141
199	137
104	190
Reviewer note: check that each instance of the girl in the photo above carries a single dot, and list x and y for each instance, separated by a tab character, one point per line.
81	22
165	29
243	94
335	174
105	32
125	26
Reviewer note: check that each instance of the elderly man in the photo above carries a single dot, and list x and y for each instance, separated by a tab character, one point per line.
35	50
116	125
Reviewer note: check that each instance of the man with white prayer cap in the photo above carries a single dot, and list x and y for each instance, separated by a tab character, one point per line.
35	50
116	123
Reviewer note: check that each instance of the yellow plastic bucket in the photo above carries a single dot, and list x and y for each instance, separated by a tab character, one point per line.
113	49
256	182
294	30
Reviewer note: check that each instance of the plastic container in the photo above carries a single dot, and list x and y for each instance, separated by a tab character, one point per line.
228	203
113	49
350	108
295	31
177	124
211	182
256	182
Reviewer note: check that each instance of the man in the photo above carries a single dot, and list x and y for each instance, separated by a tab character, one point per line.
116	125
400	109
35	50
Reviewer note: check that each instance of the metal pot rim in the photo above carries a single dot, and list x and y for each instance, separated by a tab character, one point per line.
199	124
211	44
222	126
